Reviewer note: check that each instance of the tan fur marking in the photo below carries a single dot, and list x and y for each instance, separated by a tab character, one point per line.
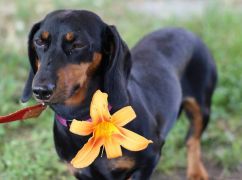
37	63
45	35
69	36
73	75
191	106
124	163
78	97
97	58
195	169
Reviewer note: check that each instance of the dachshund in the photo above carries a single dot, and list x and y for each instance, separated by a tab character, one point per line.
73	53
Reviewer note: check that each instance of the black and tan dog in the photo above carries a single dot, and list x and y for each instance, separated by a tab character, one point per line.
73	53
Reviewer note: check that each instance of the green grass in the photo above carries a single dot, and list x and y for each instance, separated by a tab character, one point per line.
27	149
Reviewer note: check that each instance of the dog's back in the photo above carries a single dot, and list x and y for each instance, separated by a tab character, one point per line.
172	69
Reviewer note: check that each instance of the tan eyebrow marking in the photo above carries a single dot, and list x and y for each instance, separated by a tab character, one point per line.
45	35
69	36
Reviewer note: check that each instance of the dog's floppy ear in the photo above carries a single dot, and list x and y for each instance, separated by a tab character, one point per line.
118	67
27	92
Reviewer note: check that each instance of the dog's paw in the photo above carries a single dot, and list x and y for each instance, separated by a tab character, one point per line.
197	173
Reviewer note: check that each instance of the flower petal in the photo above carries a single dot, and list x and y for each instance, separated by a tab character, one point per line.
130	140
112	148
99	107
82	128
123	116
88	153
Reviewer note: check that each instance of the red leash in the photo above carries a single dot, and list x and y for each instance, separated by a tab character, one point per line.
26	113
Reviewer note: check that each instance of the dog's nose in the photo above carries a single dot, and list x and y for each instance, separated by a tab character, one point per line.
43	92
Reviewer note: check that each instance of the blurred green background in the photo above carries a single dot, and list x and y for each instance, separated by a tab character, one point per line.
27	148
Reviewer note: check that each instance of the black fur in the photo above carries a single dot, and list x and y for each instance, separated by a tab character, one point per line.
154	77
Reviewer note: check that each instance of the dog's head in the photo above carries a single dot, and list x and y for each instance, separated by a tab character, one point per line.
72	53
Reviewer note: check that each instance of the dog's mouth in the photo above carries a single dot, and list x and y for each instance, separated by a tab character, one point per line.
43	101
76	88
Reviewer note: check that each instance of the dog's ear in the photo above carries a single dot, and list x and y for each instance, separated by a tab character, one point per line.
27	92
118	67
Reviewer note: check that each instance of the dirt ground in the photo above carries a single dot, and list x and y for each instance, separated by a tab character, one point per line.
215	173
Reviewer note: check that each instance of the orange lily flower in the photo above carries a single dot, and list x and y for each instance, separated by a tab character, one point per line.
107	131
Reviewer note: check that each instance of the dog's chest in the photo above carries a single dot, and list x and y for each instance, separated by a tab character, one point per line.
118	168
122	163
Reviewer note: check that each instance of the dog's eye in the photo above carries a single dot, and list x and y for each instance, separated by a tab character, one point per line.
74	47
77	45
40	42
